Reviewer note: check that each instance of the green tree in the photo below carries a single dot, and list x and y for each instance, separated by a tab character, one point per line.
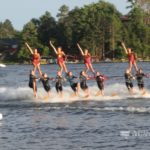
47	28
63	12
7	30
95	26
29	34
138	32
61	35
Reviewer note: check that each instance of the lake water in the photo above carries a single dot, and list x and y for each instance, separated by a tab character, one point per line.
97	123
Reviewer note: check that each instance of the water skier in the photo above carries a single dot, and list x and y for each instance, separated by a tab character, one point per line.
45	81
87	59
32	82
58	83
100	83
83	78
131	57
128	80
60	58
35	59
74	84
140	82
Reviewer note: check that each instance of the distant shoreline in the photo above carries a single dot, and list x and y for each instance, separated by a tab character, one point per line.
115	61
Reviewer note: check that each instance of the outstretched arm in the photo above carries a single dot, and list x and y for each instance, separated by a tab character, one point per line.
124	47
80	49
64	79
63	53
30	49
53	47
133	77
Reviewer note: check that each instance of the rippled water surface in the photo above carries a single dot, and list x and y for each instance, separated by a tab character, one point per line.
111	122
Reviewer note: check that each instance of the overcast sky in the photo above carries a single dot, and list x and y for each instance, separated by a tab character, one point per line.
21	11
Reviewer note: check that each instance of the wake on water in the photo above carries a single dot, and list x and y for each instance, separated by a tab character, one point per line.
112	92
2	65
116	97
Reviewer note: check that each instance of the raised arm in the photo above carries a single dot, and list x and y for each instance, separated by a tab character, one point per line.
80	49
30	49
124	47
53	47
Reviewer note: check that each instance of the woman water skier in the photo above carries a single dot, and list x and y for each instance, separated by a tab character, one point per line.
59	83
74	84
45	81
83	78
32	82
128	81
87	59
60	58
131	57
140	82
35	59
100	83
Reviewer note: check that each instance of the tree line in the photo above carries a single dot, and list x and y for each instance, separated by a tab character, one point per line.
98	27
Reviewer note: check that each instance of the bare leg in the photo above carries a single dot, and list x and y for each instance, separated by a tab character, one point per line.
135	66
91	67
61	67
86	68
38	67
34	69
47	96
61	94
34	89
100	92
87	93
142	90
65	68
78	88
130	66
74	94
131	91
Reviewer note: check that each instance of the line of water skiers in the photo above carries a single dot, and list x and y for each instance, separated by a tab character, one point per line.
81	82
77	83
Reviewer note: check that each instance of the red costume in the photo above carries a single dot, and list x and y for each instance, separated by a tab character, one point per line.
87	59
35	59
131	57
60	59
